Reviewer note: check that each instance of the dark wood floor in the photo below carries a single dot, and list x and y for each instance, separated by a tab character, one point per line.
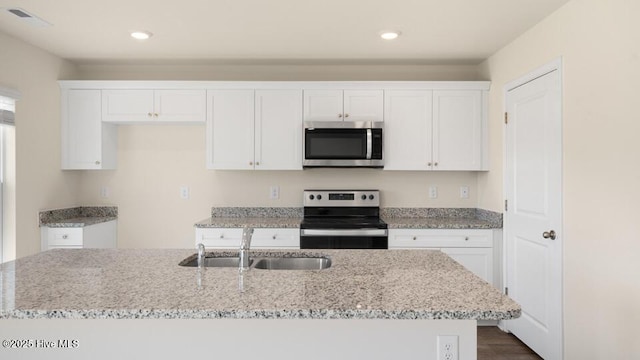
494	344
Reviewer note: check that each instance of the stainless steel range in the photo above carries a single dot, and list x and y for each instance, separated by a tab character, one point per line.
342	219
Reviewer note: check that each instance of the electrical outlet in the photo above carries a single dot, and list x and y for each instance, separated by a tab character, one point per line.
184	192
447	347
274	192
464	192
104	192
433	192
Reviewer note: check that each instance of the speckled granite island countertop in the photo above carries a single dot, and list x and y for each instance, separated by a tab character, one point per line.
78	216
360	284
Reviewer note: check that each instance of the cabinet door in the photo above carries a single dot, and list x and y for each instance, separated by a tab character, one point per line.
323	105
278	130
87	143
407	130
477	260
457	130
363	105
127	106
180	106
230	130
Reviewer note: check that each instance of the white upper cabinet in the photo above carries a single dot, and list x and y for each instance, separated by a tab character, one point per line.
407	129
230	130
343	105
441	130
259	130
278	130
87	143
154	106
457	130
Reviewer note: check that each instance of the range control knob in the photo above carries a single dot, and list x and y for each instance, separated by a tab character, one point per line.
319	197
364	197
371	197
311	197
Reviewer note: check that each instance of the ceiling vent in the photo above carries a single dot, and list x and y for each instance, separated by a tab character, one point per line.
27	17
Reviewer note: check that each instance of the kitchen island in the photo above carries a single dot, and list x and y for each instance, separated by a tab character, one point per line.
369	303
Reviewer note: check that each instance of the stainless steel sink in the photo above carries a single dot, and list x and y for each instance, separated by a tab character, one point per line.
293	263
263	262
229	261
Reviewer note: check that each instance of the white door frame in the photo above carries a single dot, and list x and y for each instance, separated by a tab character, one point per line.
555	65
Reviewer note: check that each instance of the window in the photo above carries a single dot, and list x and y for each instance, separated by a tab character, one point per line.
7	179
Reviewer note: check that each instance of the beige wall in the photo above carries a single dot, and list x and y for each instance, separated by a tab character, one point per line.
39	182
154	161
599	42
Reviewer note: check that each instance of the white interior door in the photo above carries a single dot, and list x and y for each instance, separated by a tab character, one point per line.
533	186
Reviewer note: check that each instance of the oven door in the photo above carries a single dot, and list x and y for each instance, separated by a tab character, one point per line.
344	239
338	144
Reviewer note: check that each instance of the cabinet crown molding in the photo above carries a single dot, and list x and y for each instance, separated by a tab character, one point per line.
302	85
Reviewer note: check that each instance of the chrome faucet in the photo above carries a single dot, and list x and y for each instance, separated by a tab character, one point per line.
247	232
200	256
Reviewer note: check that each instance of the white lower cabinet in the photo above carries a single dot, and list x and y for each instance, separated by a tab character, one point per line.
98	236
473	249
263	238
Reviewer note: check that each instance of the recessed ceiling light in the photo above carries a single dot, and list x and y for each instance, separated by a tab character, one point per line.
141	35
389	35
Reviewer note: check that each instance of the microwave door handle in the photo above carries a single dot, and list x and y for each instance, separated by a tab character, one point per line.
369	144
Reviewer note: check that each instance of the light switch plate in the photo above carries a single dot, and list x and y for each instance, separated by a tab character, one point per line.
184	192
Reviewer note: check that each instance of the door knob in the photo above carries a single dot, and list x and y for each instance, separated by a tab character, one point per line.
549	235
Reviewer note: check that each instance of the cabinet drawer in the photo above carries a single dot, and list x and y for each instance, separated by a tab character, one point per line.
407	238
275	238
65	237
223	238
64	247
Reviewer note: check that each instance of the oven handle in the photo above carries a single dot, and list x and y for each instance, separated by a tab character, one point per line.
353	232
369	144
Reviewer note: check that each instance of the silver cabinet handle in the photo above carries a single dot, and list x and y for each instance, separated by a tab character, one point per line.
274	237
415	238
346	115
339	115
466	238
435	164
549	234
250	162
258	163
149	114
221	236
156	114
97	162
428	164
65	236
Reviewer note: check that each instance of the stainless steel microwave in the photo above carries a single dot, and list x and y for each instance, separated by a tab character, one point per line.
343	144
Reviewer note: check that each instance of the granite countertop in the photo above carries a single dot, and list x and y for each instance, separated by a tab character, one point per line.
80	216
256	217
360	284
441	218
80	221
396	218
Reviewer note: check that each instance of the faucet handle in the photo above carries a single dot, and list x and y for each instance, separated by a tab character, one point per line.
247	232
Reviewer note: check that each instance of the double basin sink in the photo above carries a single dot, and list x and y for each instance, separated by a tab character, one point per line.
263	262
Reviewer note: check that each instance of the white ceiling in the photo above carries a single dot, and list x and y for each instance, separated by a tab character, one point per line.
433	31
